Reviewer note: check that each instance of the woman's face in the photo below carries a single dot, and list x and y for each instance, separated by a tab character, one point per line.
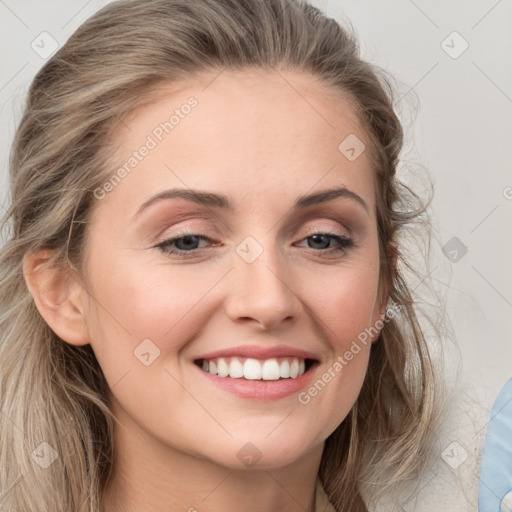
245	276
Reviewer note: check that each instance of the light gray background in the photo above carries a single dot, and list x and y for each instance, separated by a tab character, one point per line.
458	117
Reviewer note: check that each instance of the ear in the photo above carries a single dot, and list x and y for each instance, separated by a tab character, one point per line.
58	296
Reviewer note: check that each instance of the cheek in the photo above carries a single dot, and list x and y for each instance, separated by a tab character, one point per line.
163	303
347	304
139	322
346	314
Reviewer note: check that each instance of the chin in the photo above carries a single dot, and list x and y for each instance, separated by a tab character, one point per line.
261	453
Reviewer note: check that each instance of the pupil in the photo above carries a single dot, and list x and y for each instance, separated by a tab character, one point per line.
317	238
188	239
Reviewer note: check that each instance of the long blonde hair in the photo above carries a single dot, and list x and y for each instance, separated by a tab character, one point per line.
53	392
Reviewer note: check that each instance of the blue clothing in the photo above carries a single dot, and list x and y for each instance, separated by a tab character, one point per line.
495	490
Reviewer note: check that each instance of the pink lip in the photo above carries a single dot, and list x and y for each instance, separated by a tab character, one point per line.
261	389
258	352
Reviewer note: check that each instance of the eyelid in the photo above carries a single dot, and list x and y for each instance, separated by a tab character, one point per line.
187	230
326	231
202	234
211	233
206	230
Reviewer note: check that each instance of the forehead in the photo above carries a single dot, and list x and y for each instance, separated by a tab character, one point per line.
249	100
285	84
247	128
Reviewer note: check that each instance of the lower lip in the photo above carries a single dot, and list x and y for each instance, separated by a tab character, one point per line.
261	389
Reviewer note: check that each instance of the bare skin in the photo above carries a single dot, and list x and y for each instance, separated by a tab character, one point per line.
180	440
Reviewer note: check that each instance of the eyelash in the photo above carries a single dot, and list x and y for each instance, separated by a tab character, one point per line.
344	243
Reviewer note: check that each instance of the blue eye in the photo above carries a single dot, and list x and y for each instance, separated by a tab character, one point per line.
186	245
342	241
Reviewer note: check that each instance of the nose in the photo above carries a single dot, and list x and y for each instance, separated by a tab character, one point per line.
264	290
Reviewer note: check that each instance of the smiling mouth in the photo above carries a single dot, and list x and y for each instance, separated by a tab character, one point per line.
272	369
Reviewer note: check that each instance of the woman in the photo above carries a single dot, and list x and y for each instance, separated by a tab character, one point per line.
276	365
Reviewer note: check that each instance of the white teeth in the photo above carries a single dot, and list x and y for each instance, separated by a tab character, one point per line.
255	369
270	370
294	368
252	369
222	367
236	369
284	369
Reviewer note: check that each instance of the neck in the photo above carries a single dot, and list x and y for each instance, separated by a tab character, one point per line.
148	475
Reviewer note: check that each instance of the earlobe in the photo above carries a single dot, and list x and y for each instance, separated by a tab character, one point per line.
57	295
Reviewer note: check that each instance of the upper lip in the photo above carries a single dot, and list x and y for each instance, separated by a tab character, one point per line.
259	352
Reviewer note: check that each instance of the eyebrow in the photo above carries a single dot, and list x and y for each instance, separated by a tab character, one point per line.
221	201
